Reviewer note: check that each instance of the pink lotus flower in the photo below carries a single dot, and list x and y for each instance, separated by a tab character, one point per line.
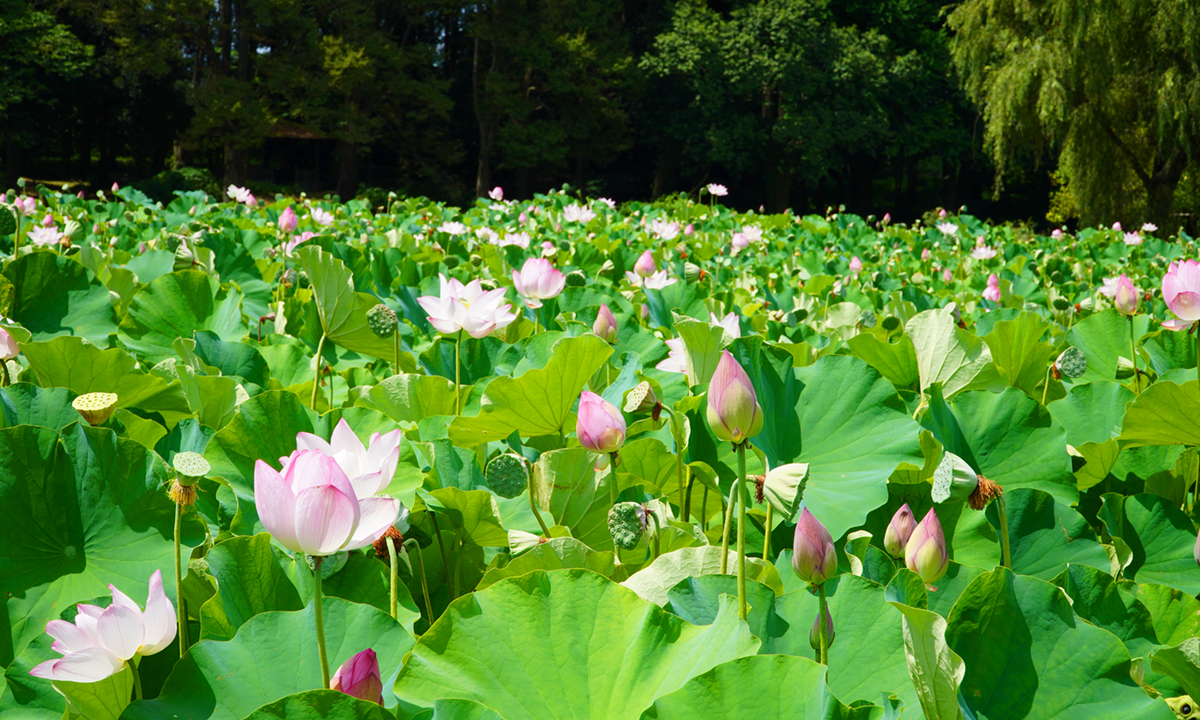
311	508
1056	234
729	322
992	292
101	641
1181	293
538	280
899	530
739	243
717	190
288	220
487	235
548	248
733	411
1149	227
238	194
44	236
467	307
8	346
689	230
1127	297
925	554
947	276
645	266
496	193
600	426
359	676
947	228
657	281
664	229
452	228
115	186
251	201
520	239
324	218
1116	226
813	556
369	467
983	252
942	213
855	265
578	213
605	326
48	221
887	218
925	255
1132	238
295	242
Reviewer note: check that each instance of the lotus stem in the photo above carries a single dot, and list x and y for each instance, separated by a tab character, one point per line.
821	625
458	374
687	497
741	538
437	533
1005	554
533	507
320	621
613	491
317	371
725	530
392	597
396	350
4	379
767	535
179	606
424	582
1137	378
137	679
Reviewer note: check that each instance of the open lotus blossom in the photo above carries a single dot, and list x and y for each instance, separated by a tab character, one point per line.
739	243
983	252
1108	287
676	361
288	220
664	229
1149	227
992	291
324	218
102	640
578	213
238	194
659	280
496	193
520	239
359	676
1126	297
1181	293
1132	238
733	410
369	467
717	190
487	235
45	236
290	245
467	307
538	280
948	228
729	322
452	227
8	345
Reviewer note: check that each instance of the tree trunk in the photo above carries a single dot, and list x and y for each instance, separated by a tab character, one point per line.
236	162
347	186
486	120
1160	192
779	190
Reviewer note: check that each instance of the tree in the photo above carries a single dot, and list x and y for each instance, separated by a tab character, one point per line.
1109	88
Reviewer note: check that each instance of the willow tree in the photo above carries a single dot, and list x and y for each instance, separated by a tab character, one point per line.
1108	88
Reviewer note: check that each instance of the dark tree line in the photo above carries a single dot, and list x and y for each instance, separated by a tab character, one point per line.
791	103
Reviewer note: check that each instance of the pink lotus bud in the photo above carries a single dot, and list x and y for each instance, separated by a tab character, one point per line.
96	229
496	193
8	346
288	220
733	410
814	635
925	554
645	267
30	205
689	230
1117	226
942	213
813	556
251	201
115	186
48	221
899	530
992	292
925	255
359	677
855	265
605	326
1056	234
993	280
538	280
79	194
947	276
740	243
521	218
887	218
548	248
1126	299
645	311
600	426
3	198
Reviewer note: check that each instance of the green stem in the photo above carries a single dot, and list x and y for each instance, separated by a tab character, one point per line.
317	371
821	625
392	598
1047	386
317	602
741	538
1006	555
137	679
4	373
182	612
458	374
533	507
767	535
437	533
687	498
424	582
17	237
396	350
613	491
725	530
1137	380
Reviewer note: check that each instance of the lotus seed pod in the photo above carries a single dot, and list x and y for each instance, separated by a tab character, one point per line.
953	480
172	242
8	221
692	272
190	466
507	475
641	399
627	524
1061	303
96	407
814	635
1072	363
451	261
576	278
867	319
1125	368
1184	707
382	320
899	530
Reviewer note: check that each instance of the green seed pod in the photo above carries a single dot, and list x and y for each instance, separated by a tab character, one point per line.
576	278
302	281
96	407
1184	707
171	242
507	475
1072	363
8	221
627	524
641	399
190	466
867	319
691	272
452	261
382	320
891	323
1061	303
953	480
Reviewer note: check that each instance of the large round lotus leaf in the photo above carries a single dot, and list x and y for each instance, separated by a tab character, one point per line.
567	643
56	295
80	512
272	656
177	305
1104	338
752	688
1029	656
868	634
1165	414
1096	597
1007	437
320	705
26	404
1161	537
1092	412
854	431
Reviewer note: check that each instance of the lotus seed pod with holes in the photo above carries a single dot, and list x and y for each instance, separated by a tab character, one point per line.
953	480
190	466
382	320
1072	363
575	278
8	221
1184	707
641	399
331	565
184	258
172	242
1061	303
507	475
867	319
95	407
627	524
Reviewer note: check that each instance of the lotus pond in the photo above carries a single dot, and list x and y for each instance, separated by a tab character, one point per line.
557	458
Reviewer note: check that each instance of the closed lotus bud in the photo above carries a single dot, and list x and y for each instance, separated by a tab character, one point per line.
733	410
1127	297
382	320
899	530
645	267
605	326
925	554
953	480
600	426
813	556
692	272
96	407
1072	363
627	522
288	220
814	635
359	677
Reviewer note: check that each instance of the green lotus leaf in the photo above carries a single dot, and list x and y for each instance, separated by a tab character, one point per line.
82	510
1164	414
1176	616
320	705
55	296
774	686
1181	663
896	361
567	643
342	311
566	484
775	383
250	581
28	404
554	554
703	342
410	398
231	359
230	680
176	306
653	583
1097	598
1104	338
698	600
1029	656
1019	353
945	353
1092	412
473	512
936	670
1160	536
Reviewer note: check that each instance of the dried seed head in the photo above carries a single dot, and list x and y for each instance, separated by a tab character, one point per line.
985	491
184	495
394	536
